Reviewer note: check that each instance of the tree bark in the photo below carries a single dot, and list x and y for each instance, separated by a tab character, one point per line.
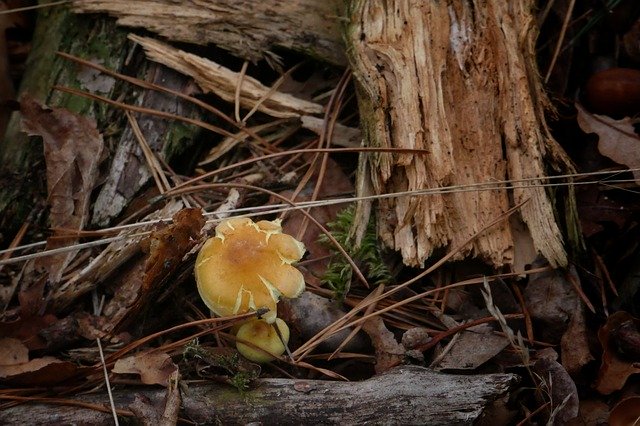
457	79
97	40
404	395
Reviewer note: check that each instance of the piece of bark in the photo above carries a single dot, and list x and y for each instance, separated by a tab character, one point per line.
404	395
459	80
247	29
129	171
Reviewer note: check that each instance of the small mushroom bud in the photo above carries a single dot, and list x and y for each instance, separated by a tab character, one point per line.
260	334
614	92
248	266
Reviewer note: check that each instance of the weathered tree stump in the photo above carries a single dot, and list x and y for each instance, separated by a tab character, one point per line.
459	80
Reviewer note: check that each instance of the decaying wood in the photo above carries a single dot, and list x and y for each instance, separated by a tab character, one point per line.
100	41
458	79
22	170
111	258
405	395
248	29
129	171
215	78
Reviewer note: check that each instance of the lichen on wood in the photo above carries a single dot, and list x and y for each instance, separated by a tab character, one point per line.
459	80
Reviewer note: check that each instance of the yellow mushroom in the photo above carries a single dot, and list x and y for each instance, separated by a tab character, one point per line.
258	333
247	266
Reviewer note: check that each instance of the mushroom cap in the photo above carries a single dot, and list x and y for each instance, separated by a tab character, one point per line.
263	335
247	266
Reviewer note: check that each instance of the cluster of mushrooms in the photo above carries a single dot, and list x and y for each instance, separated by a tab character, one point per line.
247	266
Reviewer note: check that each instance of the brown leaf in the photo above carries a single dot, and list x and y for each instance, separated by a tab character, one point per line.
153	368
591	412
72	149
473	348
13	352
26	330
614	369
389	353
45	371
617	138
574	343
626	412
561	387
595	209
168	246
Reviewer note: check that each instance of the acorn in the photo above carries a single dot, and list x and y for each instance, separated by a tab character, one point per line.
614	92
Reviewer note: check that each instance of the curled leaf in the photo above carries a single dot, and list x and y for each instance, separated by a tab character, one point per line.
615	368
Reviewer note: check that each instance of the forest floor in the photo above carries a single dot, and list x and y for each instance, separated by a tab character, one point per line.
124	305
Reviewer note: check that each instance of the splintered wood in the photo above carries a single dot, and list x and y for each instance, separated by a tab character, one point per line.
459	80
215	78
247	29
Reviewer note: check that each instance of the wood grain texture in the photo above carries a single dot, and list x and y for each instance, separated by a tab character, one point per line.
459	80
405	395
246	28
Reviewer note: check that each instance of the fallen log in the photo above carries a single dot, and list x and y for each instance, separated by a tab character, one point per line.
404	395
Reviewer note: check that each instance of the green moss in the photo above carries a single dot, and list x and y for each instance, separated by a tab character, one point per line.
367	255
239	372
179	139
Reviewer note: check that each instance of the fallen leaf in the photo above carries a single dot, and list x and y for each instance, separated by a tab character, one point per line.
26	330
561	388
550	299
72	149
574	343
13	352
591	412
153	368
596	208
166	248
45	371
617	138
626	412
473	348
614	369
389	353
